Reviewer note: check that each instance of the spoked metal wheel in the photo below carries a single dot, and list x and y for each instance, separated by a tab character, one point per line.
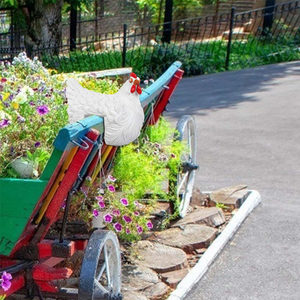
186	175
100	276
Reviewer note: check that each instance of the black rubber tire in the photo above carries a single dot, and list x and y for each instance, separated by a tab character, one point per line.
100	276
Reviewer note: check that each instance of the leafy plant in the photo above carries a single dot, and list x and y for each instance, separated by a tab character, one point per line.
221	205
141	169
128	218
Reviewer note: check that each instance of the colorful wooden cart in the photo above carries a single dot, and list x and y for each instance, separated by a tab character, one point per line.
28	208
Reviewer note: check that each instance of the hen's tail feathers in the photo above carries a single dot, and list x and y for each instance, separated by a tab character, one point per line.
75	94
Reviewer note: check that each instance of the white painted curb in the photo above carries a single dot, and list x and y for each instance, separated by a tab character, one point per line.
216	247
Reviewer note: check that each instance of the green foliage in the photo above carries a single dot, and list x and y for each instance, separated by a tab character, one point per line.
100	200
221	205
197	57
181	9
8	3
145	168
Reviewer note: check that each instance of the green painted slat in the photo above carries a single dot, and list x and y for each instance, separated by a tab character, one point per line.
51	165
18	198
11	229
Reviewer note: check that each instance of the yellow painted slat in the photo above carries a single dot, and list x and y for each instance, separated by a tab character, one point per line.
101	162
56	184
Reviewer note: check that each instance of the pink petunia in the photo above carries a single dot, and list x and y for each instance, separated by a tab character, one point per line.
136	213
111	178
108	218
124	201
149	225
127	219
111	188
95	213
118	227
101	204
116	212
99	198
139	229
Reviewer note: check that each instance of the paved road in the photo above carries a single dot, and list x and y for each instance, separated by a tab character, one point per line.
248	125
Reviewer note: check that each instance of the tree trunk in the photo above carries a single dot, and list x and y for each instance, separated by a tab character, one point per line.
44	26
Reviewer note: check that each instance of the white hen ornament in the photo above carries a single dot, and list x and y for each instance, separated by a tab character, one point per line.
122	112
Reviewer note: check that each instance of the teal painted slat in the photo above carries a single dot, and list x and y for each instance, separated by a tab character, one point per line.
154	89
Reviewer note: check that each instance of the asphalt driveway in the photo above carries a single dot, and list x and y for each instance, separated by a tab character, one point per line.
248	126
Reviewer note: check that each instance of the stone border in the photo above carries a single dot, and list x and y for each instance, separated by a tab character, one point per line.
216	247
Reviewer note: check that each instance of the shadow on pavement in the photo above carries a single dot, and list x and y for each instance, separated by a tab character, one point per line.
200	94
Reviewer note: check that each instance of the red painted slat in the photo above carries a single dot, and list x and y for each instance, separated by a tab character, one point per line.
162	103
66	185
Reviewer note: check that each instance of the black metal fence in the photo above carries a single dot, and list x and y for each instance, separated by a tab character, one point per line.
205	44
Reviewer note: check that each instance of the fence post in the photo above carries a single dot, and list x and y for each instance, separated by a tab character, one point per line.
268	17
124	45
167	30
73	28
230	37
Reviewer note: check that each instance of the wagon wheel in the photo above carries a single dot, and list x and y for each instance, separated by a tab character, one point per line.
100	276
184	181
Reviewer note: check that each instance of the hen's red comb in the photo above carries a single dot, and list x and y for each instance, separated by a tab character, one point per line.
133	75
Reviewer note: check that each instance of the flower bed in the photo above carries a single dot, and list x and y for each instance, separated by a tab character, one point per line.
32	111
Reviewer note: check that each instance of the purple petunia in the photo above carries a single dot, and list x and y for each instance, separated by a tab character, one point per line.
37	144
42	110
127	219
95	213
127	230
21	119
111	188
108	218
101	204
5	281
124	201
64	203
136	213
4	123
149	225
116	212
118	227
139	229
